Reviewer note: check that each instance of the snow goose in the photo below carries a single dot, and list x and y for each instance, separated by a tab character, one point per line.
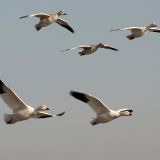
21	111
139	31
104	114
47	19
90	48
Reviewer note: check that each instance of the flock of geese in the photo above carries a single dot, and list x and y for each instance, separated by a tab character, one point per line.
21	111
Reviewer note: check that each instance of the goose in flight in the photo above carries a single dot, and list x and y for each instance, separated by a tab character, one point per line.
104	114
47	19
91	48
21	111
139	31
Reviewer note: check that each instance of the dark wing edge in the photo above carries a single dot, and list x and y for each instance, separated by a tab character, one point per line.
80	96
65	25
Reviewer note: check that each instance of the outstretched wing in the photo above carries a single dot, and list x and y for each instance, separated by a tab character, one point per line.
38	15
64	24
97	106
129	28
81	47
47	115
108	47
154	30
11	99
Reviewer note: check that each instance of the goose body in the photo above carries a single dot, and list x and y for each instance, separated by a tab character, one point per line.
137	32
48	19
21	111
104	114
89	49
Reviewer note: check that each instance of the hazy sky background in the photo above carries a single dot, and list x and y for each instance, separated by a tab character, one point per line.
33	66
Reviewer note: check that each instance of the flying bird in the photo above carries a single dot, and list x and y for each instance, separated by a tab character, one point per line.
47	19
89	49
137	32
21	111
104	114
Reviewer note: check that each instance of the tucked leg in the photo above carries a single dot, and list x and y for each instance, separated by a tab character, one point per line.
130	37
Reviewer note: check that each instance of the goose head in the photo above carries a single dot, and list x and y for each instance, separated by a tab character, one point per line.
100	45
61	13
125	112
152	25
42	108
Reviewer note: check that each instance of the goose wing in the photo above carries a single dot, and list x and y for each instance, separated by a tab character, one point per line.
81	47
154	30
41	114
38	15
97	106
64	24
129	28
108	47
11	99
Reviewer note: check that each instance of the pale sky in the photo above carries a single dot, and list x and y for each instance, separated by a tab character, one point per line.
34	67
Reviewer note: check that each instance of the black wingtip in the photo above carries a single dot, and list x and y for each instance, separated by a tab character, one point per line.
79	96
70	29
157	31
45	116
130	110
114	49
61	114
73	31
23	17
1	87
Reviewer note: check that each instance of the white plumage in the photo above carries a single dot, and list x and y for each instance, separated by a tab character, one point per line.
89	49
139	31
21	111
104	114
48	19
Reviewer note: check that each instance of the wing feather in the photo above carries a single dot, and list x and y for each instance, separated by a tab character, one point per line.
129	28
47	115
64	24
96	105
10	98
108	47
38	15
78	47
154	30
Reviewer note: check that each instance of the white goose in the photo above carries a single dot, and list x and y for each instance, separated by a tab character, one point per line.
47	19
89	49
21	111
104	114
139	31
